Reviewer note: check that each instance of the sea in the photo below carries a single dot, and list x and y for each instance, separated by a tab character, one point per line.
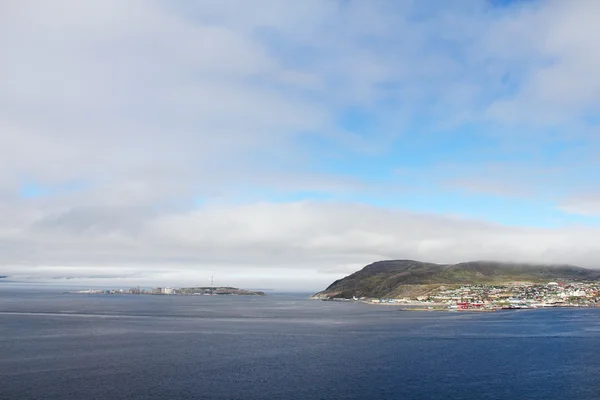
56	345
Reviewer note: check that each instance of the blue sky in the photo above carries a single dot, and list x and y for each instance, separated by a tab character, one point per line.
296	140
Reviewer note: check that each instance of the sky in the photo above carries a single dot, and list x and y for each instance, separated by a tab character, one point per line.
277	144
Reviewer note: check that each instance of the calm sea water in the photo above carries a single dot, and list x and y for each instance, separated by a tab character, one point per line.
64	346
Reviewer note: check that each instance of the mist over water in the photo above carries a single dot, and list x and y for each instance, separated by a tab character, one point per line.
66	346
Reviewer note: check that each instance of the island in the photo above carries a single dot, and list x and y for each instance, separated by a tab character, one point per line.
471	286
186	291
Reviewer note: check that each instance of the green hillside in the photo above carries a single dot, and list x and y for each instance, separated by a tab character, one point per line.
399	278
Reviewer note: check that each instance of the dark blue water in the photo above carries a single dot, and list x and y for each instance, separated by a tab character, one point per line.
61	346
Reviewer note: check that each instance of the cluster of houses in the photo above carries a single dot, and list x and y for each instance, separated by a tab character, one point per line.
512	295
134	290
196	291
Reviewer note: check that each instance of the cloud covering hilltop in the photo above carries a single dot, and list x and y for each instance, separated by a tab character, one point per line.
285	144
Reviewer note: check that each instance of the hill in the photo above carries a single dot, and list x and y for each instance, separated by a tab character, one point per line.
405	278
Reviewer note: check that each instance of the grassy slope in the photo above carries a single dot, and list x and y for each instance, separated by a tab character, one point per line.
399	278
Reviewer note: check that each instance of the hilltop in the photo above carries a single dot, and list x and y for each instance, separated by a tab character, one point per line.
405	278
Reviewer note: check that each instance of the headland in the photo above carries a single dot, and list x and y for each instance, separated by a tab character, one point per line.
186	291
471	286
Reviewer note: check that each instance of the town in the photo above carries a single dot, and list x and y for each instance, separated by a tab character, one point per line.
190	291
491	297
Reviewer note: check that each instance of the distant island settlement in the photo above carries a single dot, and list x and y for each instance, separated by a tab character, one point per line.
492	297
190	291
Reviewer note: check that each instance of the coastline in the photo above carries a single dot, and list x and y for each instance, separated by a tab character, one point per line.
460	307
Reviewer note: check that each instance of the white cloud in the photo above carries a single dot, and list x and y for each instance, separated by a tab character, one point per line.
585	204
275	240
557	47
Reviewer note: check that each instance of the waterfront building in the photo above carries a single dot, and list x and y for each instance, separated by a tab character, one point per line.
168	290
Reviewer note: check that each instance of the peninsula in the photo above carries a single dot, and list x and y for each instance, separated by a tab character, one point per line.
477	284
187	291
